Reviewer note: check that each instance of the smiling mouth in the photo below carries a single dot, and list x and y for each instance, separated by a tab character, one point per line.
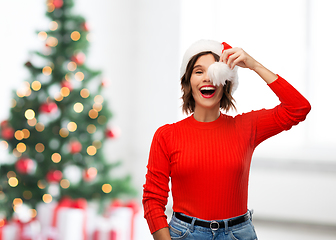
208	91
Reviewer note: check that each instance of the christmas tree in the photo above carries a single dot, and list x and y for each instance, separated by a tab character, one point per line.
58	123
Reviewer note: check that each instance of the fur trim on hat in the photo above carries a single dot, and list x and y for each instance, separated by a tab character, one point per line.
218	72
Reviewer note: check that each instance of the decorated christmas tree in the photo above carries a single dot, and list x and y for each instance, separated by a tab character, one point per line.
58	124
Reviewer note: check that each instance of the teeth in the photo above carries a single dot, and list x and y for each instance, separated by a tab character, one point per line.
207	88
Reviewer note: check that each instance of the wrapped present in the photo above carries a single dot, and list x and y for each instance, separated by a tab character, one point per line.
70	219
122	218
105	230
8	231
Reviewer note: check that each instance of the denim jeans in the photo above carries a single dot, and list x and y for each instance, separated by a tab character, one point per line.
187	231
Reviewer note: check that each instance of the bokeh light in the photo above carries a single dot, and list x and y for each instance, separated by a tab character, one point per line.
56	157
36	85
52	41
18	135
91	128
13	181
47	70
29	114
63	132
39	147
72	126
91	150
75	35
41	184
39	127
42	35
65	91
32	122
93	113
79	76
47	198
72	66
65	183
26	133
107	188
78	107
27	194
85	93
21	147
53	26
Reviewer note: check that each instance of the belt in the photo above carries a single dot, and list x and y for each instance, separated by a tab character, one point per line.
214	225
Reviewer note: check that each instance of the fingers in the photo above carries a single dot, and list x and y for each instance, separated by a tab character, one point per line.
234	56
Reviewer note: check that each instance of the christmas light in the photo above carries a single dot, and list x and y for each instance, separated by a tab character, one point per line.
13	182
93	113
50	7
56	157
65	91
85	93
19	135
2	223
91	128
53	26
98	107
39	127
16	153
21	147
78	107
52	41
72	126
42	35
36	85
75	35
33	213
68	76
99	99
79	76
63	132
26	133
32	122
102	120
27	194
65	183
107	188
91	150
41	184
11	174
47	70
39	147
58	97
72	66
4	145
47	198
29	114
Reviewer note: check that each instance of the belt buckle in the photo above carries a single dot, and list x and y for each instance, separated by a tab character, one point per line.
215	228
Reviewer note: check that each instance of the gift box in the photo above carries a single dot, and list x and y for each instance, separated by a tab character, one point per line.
105	230
9	231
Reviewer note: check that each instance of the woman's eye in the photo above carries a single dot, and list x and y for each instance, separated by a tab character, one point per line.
198	72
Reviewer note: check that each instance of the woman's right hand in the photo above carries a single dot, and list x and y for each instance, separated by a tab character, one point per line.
162	234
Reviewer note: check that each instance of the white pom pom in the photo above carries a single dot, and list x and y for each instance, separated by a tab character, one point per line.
219	73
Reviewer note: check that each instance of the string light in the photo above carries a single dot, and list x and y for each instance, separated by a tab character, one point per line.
29	114
52	41
56	157
79	76
13	181
42	35
33	213
98	107
19	135
51	7
47	198
58	97
16	153
102	120
75	35
97	144
72	66
13	103
65	183
53	26
47	70
63	132
11	174
91	150
32	122
21	147
41	184
65	91
107	188
93	113
39	127
85	93
26	133
92	172
78	107
68	76
99	99
36	85
39	147
4	145
91	128
72	126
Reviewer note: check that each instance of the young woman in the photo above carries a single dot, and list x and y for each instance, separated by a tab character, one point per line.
207	156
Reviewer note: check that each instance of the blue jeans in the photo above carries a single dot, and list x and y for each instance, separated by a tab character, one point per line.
187	231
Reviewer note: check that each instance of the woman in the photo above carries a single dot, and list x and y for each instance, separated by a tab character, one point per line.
207	156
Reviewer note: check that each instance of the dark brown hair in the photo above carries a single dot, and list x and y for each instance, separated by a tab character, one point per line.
188	106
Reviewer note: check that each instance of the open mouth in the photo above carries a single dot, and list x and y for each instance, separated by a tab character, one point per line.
208	91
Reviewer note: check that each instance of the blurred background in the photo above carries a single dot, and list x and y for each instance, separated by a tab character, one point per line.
138	45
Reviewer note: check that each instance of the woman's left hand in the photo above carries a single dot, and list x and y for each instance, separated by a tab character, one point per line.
238	57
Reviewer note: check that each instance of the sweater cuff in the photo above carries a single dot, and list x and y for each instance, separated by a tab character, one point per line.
157	224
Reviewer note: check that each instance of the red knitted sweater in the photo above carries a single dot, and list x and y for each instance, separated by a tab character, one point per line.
209	162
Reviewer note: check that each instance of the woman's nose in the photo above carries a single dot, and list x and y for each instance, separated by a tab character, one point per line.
206	77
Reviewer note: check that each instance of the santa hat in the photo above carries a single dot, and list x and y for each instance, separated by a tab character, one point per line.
218	72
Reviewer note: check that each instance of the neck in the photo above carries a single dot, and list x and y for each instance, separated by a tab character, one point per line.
206	115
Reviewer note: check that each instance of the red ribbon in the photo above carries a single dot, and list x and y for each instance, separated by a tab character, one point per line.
67	202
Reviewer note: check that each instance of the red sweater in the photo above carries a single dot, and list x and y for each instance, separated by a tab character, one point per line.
209	162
